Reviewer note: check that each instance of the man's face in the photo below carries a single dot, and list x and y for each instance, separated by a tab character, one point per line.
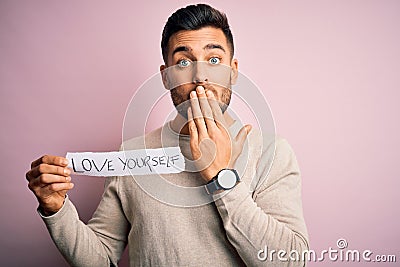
200	57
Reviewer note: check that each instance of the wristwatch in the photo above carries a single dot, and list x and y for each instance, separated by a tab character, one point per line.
224	180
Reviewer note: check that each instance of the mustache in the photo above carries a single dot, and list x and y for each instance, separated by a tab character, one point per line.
207	87
182	103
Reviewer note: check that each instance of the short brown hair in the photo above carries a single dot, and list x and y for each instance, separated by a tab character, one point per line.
195	17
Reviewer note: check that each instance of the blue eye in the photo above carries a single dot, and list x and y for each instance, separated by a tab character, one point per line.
183	63
214	60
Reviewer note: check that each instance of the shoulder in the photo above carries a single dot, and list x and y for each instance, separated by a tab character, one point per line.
284	153
277	162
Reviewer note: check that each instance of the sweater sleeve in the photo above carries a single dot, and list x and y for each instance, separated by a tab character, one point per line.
100	242
271	218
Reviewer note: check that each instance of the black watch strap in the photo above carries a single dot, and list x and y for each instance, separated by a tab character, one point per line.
212	186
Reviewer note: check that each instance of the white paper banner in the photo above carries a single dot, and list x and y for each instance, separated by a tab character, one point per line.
123	163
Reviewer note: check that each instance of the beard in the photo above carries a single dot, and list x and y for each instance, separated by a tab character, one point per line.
182	101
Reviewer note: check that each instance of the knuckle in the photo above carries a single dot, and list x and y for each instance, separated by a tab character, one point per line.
30	186
58	161
43	179
28	176
42	168
192	127
53	187
45	158
36	190
209	115
60	170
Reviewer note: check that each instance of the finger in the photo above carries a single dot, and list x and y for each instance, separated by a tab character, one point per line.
194	137
46	179
52	160
216	110
54	188
206	109
197	115
242	135
46	168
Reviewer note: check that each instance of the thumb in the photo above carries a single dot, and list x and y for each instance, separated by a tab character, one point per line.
241	136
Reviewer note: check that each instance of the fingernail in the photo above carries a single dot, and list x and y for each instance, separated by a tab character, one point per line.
65	161
67	171
209	93
68	178
200	89
248	128
193	94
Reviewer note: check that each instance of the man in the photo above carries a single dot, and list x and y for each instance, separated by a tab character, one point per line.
231	230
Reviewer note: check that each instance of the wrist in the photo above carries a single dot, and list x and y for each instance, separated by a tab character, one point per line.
225	179
208	175
46	212
51	210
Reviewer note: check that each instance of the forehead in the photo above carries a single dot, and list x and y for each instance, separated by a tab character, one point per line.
198	39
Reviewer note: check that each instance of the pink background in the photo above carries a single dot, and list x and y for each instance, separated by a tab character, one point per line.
329	69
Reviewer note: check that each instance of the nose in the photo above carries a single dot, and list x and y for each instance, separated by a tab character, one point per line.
200	72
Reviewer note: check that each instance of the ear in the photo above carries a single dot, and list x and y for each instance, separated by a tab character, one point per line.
234	70
164	76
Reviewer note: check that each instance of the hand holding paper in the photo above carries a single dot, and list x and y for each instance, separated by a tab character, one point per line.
49	176
49	179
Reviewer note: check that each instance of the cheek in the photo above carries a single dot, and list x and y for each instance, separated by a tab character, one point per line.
178	77
218	91
184	90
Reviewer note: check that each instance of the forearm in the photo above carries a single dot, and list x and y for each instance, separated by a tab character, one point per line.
250	229
77	242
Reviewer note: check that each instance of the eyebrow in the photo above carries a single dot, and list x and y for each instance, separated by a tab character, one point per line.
188	49
214	46
181	48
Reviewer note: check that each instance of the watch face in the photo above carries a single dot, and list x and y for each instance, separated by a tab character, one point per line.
227	179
